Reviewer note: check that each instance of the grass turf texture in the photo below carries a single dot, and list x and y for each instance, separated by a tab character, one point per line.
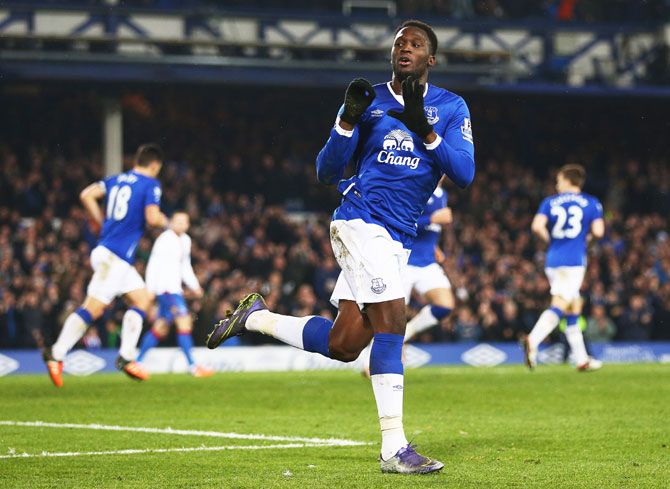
493	428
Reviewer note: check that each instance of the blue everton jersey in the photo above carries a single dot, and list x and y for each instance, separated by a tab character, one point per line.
570	216
423	249
396	172
127	196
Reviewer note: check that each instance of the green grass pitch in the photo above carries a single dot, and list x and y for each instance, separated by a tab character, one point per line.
493	428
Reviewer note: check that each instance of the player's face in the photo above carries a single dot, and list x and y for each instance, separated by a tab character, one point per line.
180	222
410	54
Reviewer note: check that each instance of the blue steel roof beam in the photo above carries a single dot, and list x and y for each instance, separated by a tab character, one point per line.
18	16
90	22
512	50
200	21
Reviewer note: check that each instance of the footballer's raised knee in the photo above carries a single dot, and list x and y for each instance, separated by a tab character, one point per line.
339	350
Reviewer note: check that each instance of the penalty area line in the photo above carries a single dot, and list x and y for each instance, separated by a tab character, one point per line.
162	450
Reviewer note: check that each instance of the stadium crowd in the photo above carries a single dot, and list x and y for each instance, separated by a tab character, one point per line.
260	219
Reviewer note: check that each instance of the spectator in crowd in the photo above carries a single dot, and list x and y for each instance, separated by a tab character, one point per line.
636	321
599	327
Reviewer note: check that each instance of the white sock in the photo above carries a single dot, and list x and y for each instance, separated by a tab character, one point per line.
131	328
73	329
388	389
285	328
576	341
543	328
421	322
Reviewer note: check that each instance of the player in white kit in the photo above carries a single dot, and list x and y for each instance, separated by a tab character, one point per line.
170	265
567	221
132	201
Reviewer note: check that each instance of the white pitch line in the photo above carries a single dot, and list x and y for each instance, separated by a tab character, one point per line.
216	434
161	450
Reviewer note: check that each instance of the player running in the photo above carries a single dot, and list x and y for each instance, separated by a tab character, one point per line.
403	135
424	274
567	221
132	200
170	265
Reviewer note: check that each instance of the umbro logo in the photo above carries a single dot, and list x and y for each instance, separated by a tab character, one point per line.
81	362
7	365
377	113
484	356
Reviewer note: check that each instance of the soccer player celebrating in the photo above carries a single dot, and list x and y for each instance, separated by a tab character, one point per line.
567	221
403	135
132	200
170	265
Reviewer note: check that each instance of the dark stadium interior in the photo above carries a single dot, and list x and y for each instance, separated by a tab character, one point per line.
240	160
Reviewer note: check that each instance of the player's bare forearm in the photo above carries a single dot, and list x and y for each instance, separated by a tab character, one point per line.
543	234
89	199
154	217
93	210
539	227
442	216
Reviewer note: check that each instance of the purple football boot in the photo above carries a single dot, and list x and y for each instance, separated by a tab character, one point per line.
234	323
407	461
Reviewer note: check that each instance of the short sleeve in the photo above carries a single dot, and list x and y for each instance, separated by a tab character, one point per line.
153	195
597	210
544	208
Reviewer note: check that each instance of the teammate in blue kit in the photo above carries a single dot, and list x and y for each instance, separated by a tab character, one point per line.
403	136
567	221
132	200
424	274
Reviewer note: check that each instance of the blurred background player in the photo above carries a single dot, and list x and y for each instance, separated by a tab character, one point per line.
567	221
132	201
169	265
403	135
423	273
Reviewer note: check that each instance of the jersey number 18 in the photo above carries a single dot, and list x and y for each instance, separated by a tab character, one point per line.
573	215
117	203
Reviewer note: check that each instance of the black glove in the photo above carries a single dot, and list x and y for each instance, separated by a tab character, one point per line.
359	96
414	116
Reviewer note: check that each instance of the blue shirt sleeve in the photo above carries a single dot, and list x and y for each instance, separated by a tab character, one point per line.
544	208
332	160
455	154
153	194
423	221
597	209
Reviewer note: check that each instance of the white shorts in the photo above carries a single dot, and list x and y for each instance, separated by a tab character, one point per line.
565	281
423	279
112	276
372	263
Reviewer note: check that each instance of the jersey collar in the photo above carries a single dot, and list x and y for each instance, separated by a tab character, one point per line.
399	97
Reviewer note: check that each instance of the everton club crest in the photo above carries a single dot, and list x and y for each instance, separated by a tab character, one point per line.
378	285
431	115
